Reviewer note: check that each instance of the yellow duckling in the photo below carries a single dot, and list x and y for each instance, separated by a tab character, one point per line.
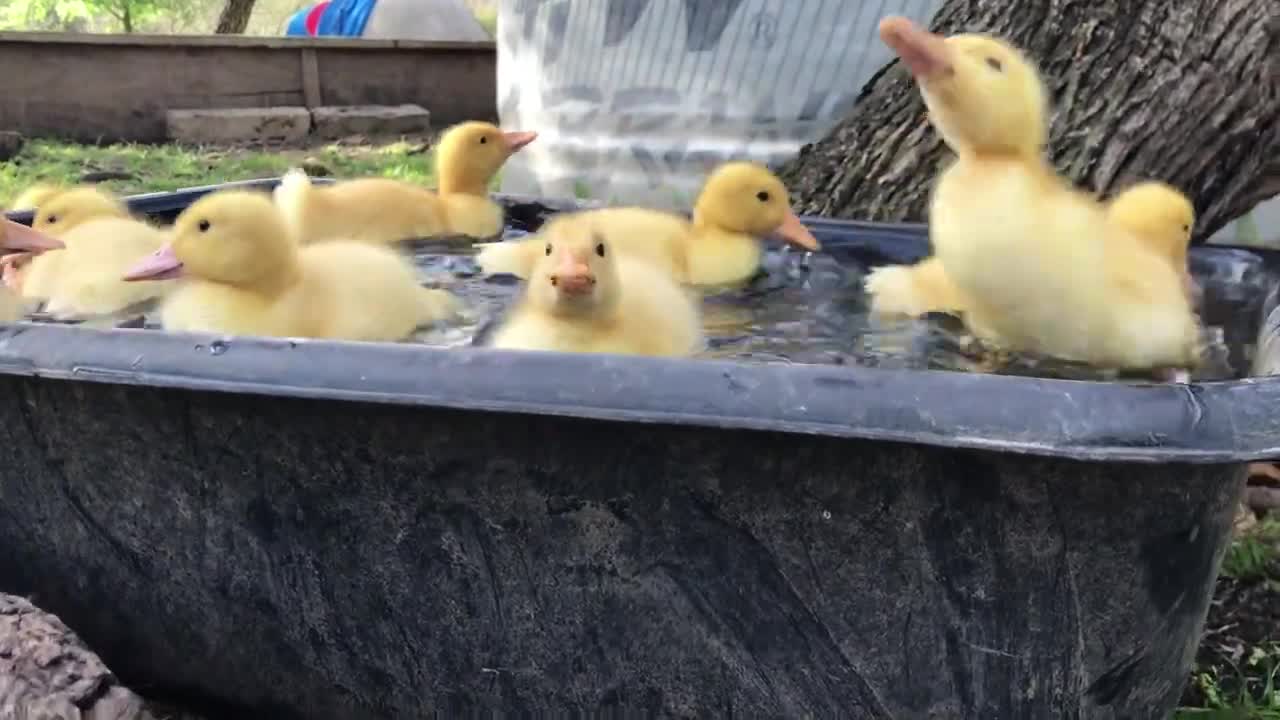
740	203
382	210
1043	269
1157	214
1162	218
243	273
20	239
102	242
584	297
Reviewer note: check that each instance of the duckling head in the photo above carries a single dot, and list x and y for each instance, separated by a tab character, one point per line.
471	153
59	212
1160	215
575	274
984	95
744	197
234	237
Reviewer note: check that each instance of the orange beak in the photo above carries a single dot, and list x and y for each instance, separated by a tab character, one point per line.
517	140
924	53
573	277
794	231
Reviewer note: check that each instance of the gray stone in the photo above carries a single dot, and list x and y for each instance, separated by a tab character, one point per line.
272	124
334	122
11	143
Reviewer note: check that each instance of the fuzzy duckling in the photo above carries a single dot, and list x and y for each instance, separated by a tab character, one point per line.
1042	267
102	242
582	296
1161	217
740	203
75	205
20	239
1157	214
382	210
243	273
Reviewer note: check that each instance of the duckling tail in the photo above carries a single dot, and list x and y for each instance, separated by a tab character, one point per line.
501	257
438	305
893	291
292	196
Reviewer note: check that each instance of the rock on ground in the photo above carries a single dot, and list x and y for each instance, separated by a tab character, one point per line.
46	672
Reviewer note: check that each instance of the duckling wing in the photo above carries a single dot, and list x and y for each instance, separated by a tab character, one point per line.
472	215
369	210
369	292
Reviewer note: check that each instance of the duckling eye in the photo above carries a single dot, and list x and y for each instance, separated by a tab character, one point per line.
548	249
600	249
1186	228
483	139
994	64
51	219
203	226
762	196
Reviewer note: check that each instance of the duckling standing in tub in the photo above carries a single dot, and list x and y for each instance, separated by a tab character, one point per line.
242	272
740	203
102	242
1157	214
20	238
1043	269
382	210
582	296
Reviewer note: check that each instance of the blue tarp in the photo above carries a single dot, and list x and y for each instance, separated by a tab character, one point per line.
341	18
345	18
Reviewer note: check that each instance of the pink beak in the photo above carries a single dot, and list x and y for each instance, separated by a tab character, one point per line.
17	236
924	53
794	231
573	277
162	264
517	140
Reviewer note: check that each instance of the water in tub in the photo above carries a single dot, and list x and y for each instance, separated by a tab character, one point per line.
801	308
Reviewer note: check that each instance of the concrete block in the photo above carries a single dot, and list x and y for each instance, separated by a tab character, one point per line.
273	124
341	121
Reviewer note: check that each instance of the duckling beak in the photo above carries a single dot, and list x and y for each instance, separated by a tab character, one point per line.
162	264
517	140
573	278
17	236
924	53
794	231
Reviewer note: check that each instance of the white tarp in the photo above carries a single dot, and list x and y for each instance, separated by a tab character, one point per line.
634	100
438	20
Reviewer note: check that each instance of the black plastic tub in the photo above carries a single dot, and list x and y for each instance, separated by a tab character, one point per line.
340	530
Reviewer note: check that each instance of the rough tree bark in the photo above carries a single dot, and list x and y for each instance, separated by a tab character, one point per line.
47	672
235	17
1185	91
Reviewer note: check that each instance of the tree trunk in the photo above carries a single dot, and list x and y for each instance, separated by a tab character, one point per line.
235	17
1180	91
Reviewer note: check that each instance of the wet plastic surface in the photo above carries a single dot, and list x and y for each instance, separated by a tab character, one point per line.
330	530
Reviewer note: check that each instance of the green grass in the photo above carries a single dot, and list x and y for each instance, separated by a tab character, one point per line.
151	168
1237	675
1254	556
